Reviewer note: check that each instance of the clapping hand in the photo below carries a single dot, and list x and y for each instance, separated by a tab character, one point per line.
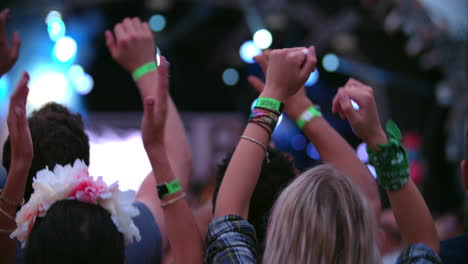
18	127
131	44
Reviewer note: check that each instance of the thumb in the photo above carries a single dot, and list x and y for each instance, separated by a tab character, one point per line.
256	83
347	108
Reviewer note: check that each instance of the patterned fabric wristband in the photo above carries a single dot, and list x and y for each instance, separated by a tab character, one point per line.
391	161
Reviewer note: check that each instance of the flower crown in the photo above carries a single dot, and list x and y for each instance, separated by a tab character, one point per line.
72	182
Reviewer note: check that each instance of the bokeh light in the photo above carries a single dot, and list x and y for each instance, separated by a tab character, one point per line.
157	23
330	62
262	39
248	51
65	49
231	76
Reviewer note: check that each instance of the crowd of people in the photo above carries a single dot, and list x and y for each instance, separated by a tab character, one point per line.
263	210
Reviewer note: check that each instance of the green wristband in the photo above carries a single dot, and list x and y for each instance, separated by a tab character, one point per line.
166	189
391	161
309	114
144	69
270	103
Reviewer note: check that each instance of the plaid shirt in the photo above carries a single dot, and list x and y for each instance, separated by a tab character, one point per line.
418	254
231	239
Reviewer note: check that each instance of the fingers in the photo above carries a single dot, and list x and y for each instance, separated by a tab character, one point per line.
256	83
129	26
298	56
262	60
347	108
20	95
360	93
4	15
15	46
119	31
110	42
311	61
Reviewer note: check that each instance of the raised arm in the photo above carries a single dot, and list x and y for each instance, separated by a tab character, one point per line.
133	40
330	145
21	157
288	69
8	54
389	158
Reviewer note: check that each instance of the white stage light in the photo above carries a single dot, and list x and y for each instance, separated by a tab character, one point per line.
65	49
262	39
47	87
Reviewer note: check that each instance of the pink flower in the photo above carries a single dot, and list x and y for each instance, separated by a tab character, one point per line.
89	190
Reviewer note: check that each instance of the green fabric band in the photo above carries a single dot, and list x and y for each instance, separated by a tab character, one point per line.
270	103
391	161
144	69
307	115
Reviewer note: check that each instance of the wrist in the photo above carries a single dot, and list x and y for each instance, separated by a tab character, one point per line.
295	108
273	94
375	139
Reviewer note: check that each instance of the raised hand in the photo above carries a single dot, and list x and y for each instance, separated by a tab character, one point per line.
288	69
296	103
8	54
18	128
155	109
365	121
131	44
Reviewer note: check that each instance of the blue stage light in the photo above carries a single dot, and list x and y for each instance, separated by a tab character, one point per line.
330	62
313	78
230	76
248	51
56	29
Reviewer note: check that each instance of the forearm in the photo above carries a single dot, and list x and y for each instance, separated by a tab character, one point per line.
181	228
13	191
411	213
178	146
16	181
334	149
413	216
242	174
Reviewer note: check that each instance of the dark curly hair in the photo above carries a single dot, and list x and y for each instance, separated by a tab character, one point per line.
274	177
58	137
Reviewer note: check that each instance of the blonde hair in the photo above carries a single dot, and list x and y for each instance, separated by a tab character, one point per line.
321	218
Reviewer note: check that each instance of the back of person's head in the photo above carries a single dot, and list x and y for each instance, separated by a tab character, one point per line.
75	232
321	217
58	137
274	176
